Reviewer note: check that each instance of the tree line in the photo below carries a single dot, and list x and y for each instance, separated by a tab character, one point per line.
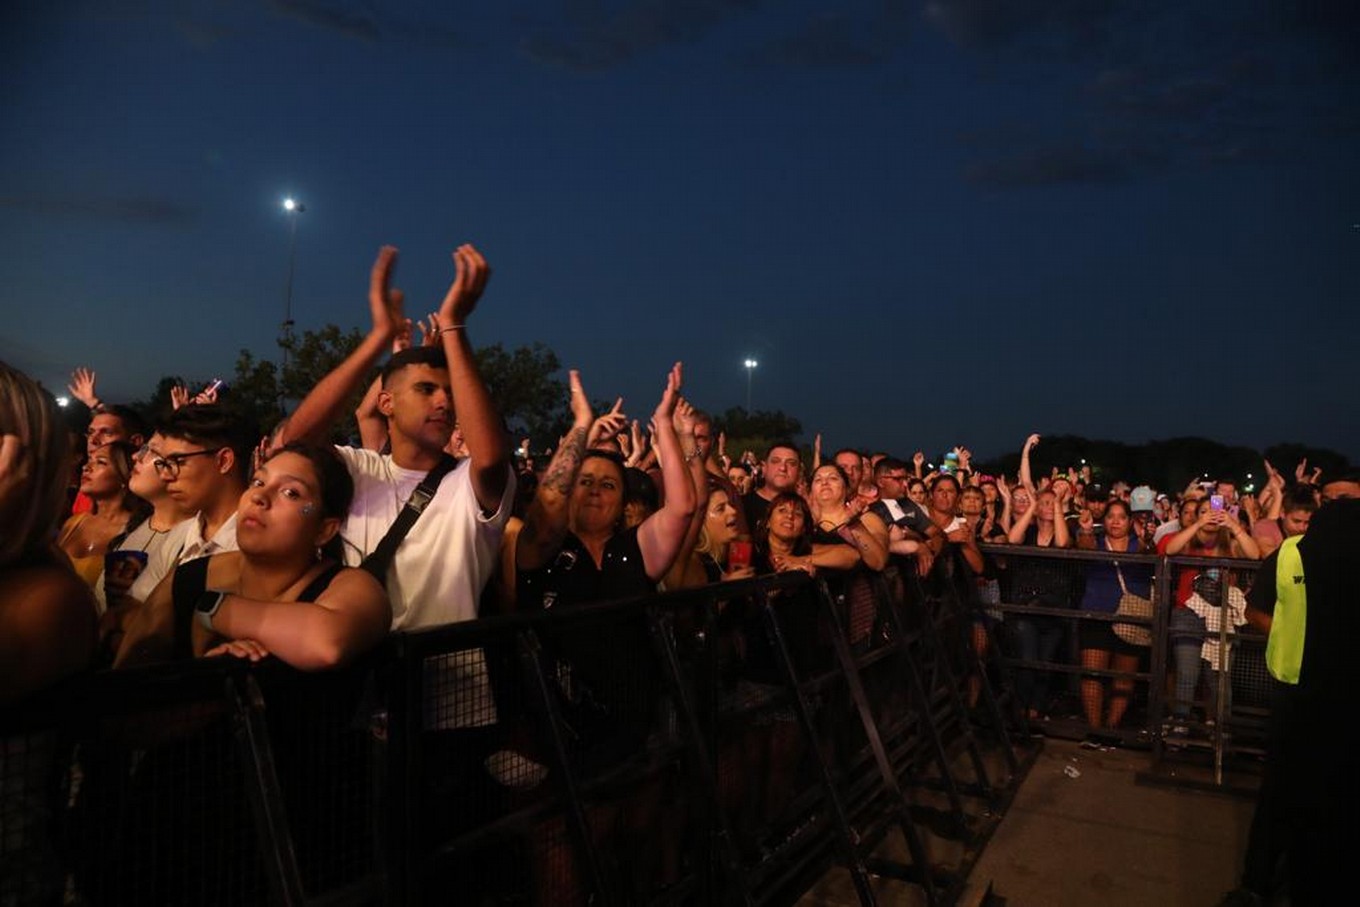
529	387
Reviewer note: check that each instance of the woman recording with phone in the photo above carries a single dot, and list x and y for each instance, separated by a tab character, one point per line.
1208	531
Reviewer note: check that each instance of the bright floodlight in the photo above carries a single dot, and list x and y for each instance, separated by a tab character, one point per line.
751	363
289	204
63	401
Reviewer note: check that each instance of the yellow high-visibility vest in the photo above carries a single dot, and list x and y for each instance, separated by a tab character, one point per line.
1284	648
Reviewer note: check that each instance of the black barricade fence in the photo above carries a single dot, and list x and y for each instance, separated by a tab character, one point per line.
1077	638
726	744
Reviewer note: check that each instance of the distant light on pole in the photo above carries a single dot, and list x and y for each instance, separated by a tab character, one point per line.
294	208
750	370
63	401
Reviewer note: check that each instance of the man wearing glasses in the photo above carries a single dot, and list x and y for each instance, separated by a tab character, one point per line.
202	454
911	532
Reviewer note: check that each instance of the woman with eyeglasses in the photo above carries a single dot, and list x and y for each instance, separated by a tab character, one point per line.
87	537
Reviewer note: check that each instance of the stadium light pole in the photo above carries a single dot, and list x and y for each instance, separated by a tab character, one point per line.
294	208
750	370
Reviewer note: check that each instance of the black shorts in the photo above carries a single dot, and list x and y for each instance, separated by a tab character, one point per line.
1099	634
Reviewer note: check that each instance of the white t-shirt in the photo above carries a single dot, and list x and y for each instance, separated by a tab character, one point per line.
440	568
438	572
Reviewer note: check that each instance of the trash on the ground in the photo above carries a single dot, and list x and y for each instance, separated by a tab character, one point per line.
1071	771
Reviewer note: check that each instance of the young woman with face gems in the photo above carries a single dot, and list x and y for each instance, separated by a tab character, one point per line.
285	592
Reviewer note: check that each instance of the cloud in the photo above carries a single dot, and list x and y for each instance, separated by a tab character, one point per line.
594	41
1189	97
127	209
203	34
837	42
990	24
329	16
1071	163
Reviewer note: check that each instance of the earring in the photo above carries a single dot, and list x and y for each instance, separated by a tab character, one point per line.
318	553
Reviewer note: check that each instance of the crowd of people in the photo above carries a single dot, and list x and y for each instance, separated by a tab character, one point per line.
616	512
189	535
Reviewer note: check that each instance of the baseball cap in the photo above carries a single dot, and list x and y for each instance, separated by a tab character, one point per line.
1141	498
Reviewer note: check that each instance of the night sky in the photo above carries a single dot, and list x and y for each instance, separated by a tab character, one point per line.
930	222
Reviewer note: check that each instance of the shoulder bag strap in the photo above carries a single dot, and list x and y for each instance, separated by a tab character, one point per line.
381	558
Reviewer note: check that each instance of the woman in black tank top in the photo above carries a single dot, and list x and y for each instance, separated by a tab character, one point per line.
285	592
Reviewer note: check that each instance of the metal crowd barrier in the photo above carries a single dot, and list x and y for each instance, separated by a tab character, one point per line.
1220	724
728	744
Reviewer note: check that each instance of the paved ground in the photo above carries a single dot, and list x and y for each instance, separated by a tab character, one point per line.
1105	837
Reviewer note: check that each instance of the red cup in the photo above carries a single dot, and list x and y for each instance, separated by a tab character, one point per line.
738	554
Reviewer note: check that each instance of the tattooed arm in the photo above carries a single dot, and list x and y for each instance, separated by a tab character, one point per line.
545	524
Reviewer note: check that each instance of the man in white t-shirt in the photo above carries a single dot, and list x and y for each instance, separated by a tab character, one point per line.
441	566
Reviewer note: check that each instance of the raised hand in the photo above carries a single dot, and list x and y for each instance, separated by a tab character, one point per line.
82	387
1086	522
472	275
402	339
1301	471
607	425
260	453
429	333
671	395
1032	441
581	415
683	418
208	396
179	396
384	302
1002	488
639	445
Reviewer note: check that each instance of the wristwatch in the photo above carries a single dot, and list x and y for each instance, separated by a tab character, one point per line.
207	606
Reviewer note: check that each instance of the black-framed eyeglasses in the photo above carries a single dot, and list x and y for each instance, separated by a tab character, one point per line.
168	465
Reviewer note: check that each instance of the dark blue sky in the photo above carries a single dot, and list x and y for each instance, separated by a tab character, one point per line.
931	222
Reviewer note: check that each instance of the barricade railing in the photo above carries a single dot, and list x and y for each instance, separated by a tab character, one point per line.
1200	684
727	744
